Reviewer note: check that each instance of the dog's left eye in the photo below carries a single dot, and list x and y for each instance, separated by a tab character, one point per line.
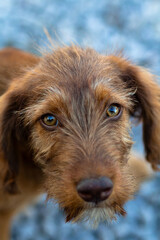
49	121
113	110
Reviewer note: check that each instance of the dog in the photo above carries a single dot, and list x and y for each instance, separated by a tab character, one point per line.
65	130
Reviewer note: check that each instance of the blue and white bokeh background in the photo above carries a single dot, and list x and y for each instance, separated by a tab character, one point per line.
107	26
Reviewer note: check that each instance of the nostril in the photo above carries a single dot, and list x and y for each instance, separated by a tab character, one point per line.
95	189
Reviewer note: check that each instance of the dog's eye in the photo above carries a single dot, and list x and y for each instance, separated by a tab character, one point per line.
49	121
113	110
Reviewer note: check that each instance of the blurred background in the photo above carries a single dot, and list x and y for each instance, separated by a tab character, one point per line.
131	25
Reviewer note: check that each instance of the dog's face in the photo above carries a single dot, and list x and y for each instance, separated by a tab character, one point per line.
73	110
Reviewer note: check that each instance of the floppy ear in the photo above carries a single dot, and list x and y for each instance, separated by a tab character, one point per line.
13	136
146	99
13	63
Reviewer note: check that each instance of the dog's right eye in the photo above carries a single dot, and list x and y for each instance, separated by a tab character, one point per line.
113	110
49	121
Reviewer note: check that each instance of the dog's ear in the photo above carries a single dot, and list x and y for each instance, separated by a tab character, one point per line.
146	97
13	135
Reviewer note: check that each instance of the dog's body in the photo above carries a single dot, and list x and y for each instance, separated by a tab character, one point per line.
60	131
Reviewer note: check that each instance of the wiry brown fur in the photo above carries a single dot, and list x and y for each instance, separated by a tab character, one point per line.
76	85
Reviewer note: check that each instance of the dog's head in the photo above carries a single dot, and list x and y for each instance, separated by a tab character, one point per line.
72	113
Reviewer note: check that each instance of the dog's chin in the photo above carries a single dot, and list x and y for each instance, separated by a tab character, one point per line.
94	215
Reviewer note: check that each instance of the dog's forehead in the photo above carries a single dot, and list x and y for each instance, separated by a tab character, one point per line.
76	70
78	81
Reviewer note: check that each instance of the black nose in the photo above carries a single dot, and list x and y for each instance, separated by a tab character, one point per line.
95	189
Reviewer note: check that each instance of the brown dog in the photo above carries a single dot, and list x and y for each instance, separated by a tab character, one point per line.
64	128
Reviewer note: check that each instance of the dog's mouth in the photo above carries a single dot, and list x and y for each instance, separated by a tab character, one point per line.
94	213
